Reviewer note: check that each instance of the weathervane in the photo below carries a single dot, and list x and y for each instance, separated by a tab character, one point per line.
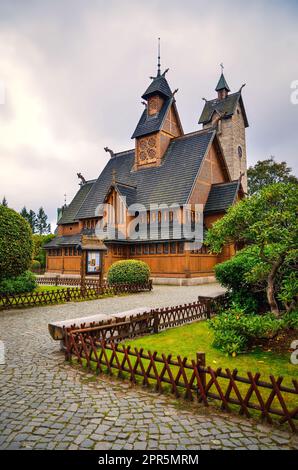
65	198
222	67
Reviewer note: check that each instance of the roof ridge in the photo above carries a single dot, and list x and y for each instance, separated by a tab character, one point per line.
198	132
124	152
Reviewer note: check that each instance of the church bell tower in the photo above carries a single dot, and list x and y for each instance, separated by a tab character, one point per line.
227	114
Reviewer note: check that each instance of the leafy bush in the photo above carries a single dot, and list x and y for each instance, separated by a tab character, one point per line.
35	265
236	275
290	320
289	289
128	271
234	331
15	244
39	253
26	282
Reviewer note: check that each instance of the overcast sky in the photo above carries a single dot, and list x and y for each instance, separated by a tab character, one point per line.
74	72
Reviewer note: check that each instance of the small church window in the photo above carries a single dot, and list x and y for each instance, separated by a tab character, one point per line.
239	151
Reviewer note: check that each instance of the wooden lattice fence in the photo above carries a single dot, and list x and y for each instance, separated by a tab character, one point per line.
149	322
190	378
68	294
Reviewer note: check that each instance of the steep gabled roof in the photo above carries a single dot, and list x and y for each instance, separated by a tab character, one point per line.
222	196
225	107
169	183
149	124
71	210
159	86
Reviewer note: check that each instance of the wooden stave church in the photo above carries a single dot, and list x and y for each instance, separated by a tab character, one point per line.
206	167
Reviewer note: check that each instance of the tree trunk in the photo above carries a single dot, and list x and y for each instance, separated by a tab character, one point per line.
270	288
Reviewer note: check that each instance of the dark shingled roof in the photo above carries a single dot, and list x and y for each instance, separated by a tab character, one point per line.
169	183
160	86
227	107
222	84
130	192
71	210
148	124
60	242
222	196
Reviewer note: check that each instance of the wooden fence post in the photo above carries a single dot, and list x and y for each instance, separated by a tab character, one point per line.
201	364
56	281
155	321
208	308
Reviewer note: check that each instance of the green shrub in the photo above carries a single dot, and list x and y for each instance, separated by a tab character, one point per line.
290	320
128	271
39	253
15	244
289	289
26	282
35	265
235	275
235	331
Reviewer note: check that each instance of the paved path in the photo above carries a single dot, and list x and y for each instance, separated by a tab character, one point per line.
46	404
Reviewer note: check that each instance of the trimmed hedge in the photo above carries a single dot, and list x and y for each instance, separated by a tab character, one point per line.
22	284
128	271
15	244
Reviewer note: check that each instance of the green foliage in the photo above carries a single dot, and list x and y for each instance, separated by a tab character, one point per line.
289	289
35	265
267	172
234	331
38	252
236	275
38	222
128	271
42	225
21	284
290	320
266	221
15	243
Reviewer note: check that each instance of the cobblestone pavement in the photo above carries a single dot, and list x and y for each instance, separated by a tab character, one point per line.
46	404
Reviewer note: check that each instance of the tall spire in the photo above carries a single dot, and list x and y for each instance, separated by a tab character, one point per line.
158	59
222	84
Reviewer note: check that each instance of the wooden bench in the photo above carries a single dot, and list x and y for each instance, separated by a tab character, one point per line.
56	329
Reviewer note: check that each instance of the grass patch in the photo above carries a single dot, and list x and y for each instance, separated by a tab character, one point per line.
196	337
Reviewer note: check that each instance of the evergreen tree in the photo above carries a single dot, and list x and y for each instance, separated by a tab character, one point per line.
24	213
42	225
